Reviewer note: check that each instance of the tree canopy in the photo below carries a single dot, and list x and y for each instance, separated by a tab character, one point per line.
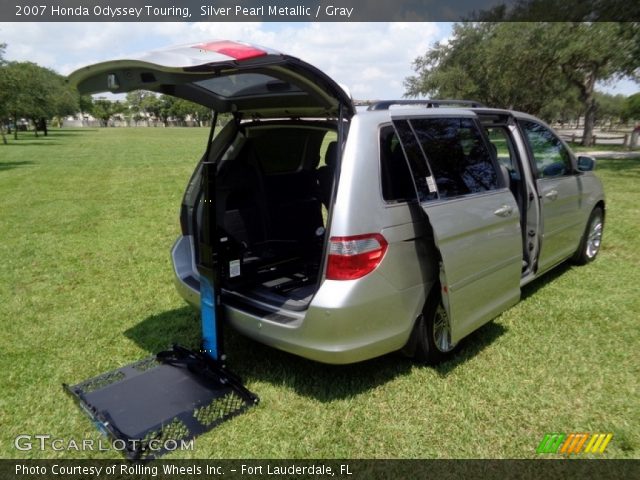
631	108
30	91
528	66
104	109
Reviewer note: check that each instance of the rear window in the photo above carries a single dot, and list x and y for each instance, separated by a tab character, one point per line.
286	150
246	85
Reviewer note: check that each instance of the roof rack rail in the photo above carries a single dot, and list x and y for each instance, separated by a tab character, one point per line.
386	104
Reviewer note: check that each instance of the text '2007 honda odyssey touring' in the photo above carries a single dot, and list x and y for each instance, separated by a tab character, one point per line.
342	235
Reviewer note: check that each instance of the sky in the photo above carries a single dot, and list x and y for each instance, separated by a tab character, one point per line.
370	59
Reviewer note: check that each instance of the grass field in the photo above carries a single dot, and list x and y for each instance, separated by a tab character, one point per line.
87	218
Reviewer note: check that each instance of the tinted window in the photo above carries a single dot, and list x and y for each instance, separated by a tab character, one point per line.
246	85
551	157
422	178
502	146
457	155
285	150
394	171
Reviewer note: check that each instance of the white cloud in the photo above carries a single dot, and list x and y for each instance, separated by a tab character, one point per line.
372	59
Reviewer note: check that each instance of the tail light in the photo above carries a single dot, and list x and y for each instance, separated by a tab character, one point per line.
354	257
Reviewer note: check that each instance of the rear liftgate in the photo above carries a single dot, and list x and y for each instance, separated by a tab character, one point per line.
153	405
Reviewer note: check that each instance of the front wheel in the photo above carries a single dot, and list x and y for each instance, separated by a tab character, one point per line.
433	334
591	239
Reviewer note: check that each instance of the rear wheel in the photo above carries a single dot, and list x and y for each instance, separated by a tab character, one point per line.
591	239
433	333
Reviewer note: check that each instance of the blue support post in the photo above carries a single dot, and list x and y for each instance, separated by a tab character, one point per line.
208	319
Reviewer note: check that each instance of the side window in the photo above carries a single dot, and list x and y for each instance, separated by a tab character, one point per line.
457	155
551	157
422	177
502	146
394	171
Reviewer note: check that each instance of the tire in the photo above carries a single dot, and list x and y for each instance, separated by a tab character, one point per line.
591	239
432	333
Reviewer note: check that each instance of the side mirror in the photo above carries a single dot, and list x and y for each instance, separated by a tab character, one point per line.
586	164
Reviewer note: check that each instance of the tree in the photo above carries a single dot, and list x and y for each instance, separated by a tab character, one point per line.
201	114
25	92
500	64
528	66
85	105
592	52
143	105
181	109
34	93
631	109
3	49
104	109
609	108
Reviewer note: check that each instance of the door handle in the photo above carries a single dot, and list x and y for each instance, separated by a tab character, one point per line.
551	194
504	211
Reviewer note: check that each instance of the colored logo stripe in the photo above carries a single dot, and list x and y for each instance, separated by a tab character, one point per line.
573	443
550	443
598	443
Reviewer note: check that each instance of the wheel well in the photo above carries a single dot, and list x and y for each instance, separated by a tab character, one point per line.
604	209
409	348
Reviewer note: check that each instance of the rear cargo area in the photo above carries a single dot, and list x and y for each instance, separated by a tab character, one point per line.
270	216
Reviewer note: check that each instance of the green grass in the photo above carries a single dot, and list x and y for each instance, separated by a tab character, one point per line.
87	218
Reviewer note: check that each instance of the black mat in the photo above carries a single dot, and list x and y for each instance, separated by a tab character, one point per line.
158	402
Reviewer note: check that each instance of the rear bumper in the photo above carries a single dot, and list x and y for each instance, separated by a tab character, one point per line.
346	322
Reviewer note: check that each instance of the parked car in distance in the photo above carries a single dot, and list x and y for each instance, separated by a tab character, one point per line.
344	235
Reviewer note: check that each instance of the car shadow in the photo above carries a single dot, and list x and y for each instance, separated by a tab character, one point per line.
471	346
257	362
538	283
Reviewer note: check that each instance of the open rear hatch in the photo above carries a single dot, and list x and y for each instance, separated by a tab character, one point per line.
246	80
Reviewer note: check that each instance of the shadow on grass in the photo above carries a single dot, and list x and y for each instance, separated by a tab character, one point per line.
65	133
29	140
254	361
471	346
545	279
620	166
11	165
258	362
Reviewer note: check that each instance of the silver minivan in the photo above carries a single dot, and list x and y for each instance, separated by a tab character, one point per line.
343	234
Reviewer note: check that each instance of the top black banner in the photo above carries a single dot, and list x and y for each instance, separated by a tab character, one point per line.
316	10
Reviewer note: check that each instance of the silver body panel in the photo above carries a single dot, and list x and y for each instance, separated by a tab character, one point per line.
350	321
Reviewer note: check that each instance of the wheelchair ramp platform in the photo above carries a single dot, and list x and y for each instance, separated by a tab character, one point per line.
152	405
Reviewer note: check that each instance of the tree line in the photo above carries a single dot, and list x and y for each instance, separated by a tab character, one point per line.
37	94
29	91
548	69
145	106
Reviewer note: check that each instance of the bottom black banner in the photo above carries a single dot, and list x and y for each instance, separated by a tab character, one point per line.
347	469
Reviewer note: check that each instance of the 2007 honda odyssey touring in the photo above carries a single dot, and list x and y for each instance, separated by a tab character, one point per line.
342	235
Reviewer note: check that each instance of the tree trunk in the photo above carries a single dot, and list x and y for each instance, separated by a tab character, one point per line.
588	99
15	126
43	121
